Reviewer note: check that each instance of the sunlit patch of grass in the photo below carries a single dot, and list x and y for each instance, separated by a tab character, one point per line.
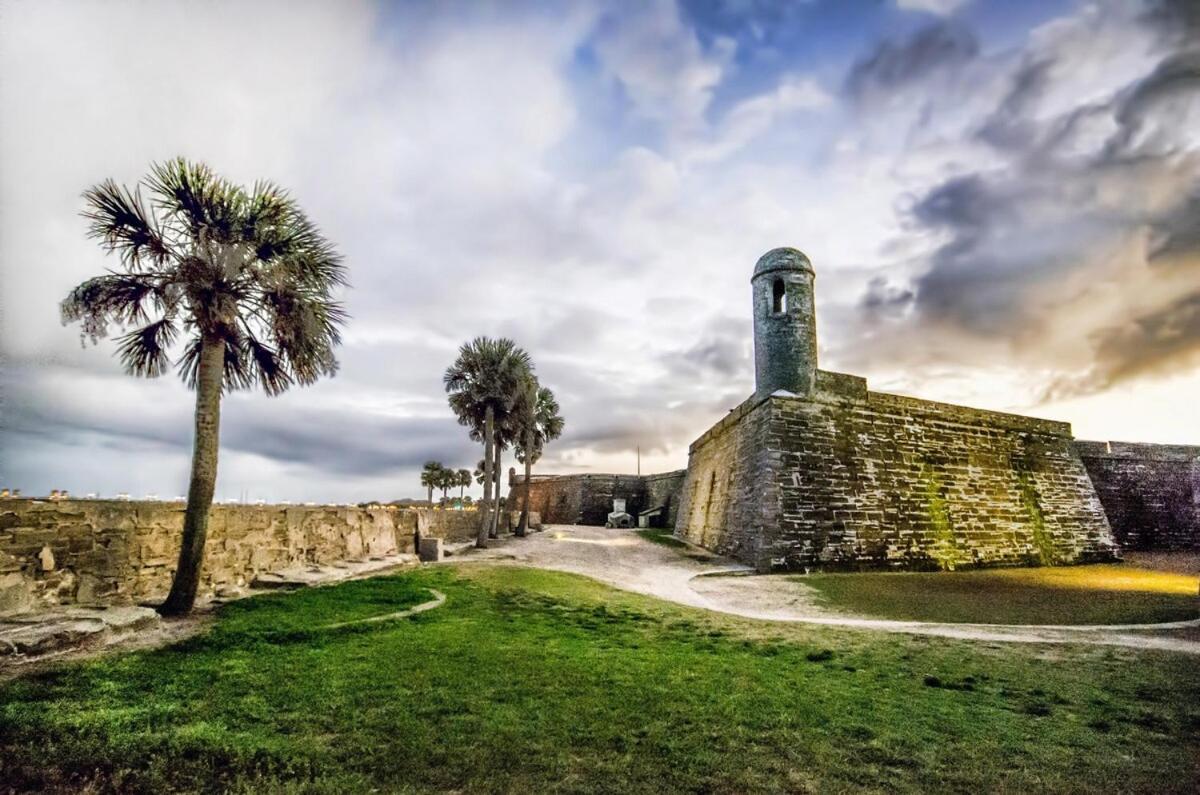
1105	577
1097	594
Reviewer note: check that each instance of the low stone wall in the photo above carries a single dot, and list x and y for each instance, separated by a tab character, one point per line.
119	552
588	499
1151	492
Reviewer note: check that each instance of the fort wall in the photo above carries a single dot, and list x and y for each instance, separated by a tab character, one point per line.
110	551
850	479
1151	492
588	499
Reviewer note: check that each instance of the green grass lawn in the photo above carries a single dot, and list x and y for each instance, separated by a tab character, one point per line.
661	536
535	681
1099	594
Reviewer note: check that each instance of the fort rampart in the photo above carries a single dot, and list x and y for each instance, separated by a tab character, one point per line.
847	478
588	499
1151	492
91	551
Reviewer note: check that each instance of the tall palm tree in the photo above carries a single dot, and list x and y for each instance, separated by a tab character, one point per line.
482	383
539	422
247	278
506	437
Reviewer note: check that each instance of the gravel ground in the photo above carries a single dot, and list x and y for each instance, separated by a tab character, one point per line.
625	560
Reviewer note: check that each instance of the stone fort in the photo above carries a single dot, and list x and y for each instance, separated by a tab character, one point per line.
814	470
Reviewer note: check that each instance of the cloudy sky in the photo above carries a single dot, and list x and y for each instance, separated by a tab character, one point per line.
1001	200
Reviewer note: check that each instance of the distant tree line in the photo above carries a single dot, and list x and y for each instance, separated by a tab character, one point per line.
435	475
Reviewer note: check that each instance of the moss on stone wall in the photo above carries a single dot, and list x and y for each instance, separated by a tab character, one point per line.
1043	544
944	548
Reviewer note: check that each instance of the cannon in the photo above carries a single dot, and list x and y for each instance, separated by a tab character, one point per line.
618	517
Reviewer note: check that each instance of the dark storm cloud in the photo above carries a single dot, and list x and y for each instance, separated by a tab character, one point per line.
723	352
1176	235
349	443
1159	342
1009	126
1062	203
897	62
964	205
1179	20
342	442
883	298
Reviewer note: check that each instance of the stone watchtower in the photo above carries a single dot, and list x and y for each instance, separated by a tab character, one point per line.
785	326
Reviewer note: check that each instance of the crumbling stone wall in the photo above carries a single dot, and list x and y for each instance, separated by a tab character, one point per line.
587	499
850	479
108	551
1151	492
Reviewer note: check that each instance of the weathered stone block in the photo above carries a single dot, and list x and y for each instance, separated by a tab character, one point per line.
15	593
431	550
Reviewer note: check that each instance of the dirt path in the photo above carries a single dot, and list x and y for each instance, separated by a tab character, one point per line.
625	560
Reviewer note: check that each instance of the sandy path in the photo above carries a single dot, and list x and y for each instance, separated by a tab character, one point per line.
623	559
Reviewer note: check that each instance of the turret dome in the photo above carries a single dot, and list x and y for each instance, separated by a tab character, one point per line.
782	259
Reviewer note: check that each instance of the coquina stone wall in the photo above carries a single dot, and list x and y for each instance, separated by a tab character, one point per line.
1151	492
588	499
846	478
102	551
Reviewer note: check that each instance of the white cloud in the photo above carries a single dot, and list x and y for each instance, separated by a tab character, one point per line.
450	152
941	8
660	63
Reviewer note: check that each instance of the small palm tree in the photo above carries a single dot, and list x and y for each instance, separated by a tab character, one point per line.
538	423
482	384
431	477
447	479
463	477
247	278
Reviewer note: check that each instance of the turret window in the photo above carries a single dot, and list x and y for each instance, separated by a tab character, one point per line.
778	297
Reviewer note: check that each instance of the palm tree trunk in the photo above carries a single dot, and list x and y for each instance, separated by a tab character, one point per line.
209	378
523	525
489	421
495	531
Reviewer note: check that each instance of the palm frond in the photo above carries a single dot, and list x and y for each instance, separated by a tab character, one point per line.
122	221
272	372
209	206
143	351
119	298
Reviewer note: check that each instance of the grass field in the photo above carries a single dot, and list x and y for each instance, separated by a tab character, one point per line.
1100	594
661	536
534	681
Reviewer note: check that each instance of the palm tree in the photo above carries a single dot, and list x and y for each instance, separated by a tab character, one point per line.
431	477
247	278
506	437
482	383
447	479
539	422
463	478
